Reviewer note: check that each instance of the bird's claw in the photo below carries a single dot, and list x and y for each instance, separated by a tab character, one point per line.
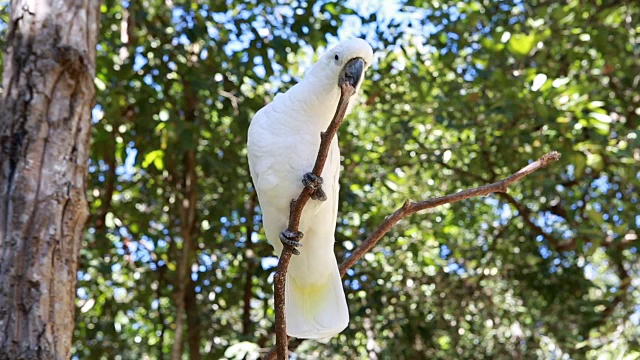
292	239
314	182
319	194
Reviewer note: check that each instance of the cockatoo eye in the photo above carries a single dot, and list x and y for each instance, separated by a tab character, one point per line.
337	59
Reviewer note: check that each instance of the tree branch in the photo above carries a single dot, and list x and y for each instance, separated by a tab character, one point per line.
294	221
188	216
525	213
411	207
408	208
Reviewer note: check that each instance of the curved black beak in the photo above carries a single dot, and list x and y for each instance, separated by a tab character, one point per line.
352	72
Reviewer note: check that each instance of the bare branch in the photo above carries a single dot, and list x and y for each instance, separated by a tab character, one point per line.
410	207
294	221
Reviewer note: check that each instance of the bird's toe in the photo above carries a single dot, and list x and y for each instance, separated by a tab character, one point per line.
311	180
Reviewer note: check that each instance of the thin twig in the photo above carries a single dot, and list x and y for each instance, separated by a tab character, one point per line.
410	207
294	221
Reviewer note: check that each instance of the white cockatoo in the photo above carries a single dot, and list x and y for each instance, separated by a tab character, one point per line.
283	142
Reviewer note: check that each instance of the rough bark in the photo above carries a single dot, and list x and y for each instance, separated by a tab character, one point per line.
45	120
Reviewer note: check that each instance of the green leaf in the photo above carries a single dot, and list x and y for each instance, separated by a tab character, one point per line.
605	118
595	161
99	83
521	44
444	342
155	157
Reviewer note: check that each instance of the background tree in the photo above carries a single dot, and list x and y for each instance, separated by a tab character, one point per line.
463	93
45	110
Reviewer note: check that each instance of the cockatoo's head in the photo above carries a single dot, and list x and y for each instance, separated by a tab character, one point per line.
321	89
349	60
345	62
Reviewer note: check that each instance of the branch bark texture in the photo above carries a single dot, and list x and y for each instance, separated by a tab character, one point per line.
294	221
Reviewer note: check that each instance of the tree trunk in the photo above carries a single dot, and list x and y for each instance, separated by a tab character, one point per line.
45	122
187	229
194	325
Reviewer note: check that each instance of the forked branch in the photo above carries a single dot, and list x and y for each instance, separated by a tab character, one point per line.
408	208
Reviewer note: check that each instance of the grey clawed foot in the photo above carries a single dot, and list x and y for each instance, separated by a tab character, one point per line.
314	182
319	194
291	240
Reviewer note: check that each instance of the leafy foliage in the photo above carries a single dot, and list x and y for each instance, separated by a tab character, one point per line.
463	93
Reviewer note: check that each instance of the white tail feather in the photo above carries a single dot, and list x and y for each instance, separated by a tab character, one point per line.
316	311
